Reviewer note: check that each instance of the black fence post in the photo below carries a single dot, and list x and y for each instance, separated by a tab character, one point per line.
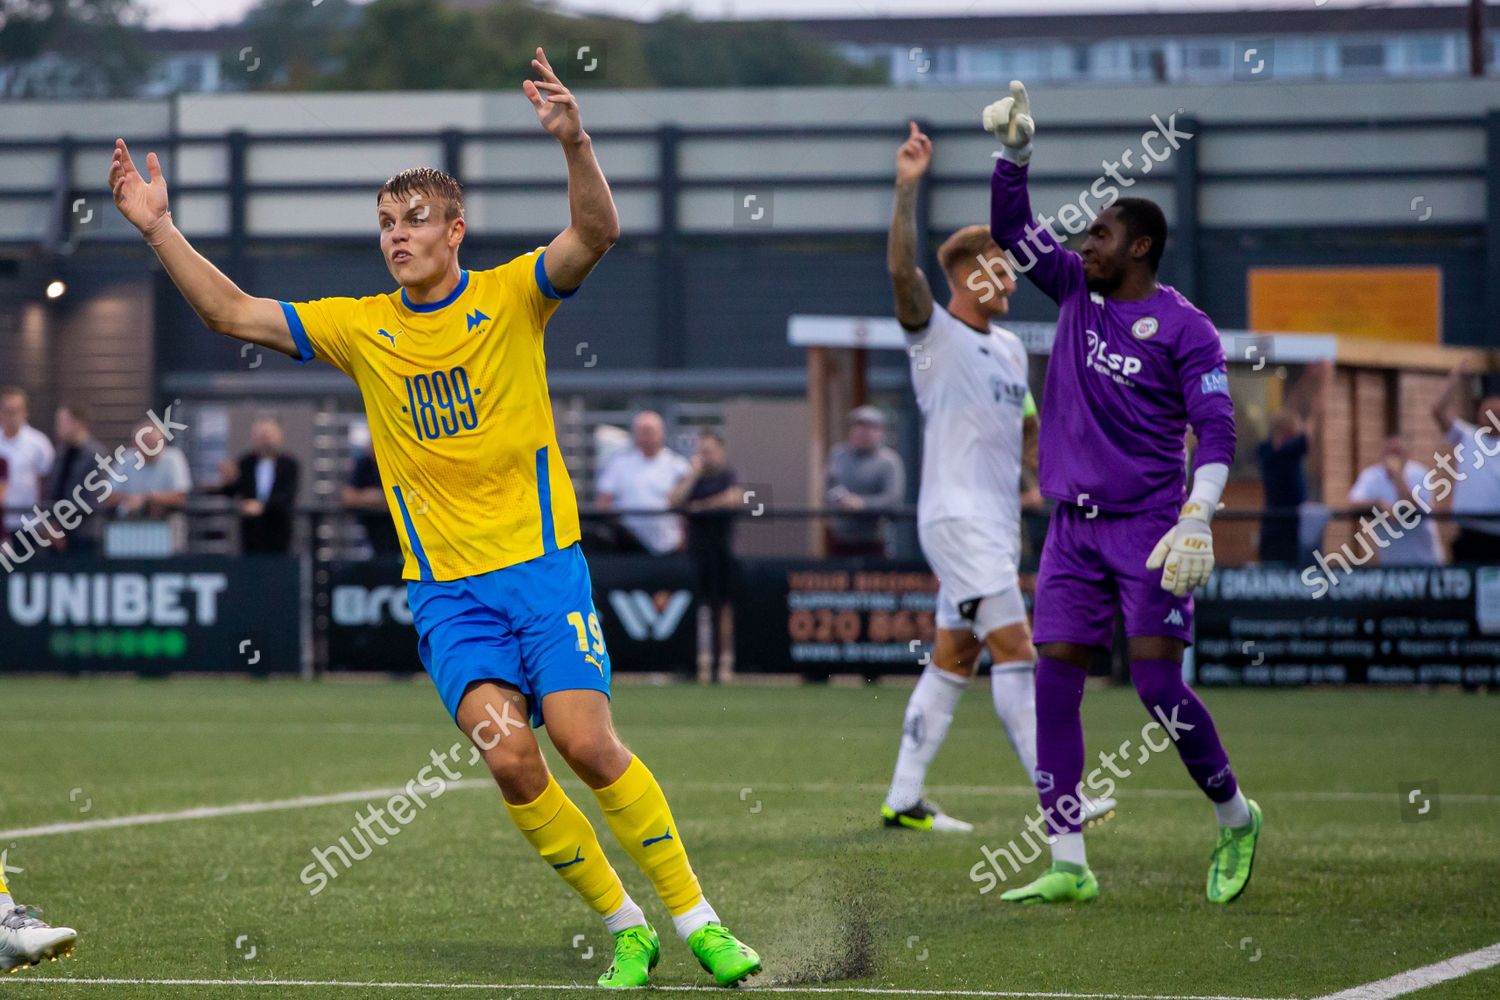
671	336
238	142
453	154
1185	232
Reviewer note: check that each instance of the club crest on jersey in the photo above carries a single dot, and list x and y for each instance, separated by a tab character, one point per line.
1145	329
389	336
475	318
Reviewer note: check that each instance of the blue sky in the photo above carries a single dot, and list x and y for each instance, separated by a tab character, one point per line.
203	13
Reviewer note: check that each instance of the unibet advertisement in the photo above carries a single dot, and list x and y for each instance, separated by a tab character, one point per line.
153	616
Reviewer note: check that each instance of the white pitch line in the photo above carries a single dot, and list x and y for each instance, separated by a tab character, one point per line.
213	812
375	794
1420	979
814	990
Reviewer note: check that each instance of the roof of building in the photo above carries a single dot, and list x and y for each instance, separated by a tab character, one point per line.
1102	26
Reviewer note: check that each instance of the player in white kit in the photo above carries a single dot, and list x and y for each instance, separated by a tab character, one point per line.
970	377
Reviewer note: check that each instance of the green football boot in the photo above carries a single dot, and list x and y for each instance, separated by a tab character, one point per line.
1233	859
637	950
1064	882
923	816
723	955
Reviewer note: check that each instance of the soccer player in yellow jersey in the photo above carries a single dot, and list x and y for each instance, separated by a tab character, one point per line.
453	377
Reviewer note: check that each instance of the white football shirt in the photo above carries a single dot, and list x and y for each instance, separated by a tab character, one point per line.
29	455
972	389
640	483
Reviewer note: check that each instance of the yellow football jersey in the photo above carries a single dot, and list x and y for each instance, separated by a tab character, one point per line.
460	418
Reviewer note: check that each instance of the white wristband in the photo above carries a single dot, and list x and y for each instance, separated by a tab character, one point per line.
1208	486
1020	157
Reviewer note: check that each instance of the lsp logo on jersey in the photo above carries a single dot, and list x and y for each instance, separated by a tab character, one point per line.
1117	366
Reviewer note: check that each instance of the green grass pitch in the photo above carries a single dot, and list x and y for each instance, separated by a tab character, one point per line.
777	791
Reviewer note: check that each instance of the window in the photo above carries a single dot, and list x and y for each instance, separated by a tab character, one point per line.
1148	62
1299	58
1206	61
1361	58
1434	55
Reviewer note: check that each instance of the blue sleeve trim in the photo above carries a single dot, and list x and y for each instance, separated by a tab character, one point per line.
305	351
545	283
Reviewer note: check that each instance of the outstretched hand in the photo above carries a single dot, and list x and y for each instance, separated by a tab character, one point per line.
142	202
556	107
1009	119
914	156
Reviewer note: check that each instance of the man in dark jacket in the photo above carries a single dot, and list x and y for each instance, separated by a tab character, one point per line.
264	485
77	456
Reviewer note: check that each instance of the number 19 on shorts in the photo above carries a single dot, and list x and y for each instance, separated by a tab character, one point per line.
585	634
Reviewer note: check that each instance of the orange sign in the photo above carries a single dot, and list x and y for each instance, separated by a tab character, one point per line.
1383	303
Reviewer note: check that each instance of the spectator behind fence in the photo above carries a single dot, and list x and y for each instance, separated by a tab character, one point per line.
27	453
364	495
77	456
156	477
1397	477
863	476
642	479
264	487
1478	541
709	494
1282	472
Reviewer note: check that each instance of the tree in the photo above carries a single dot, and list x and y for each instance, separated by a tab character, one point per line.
69	48
422	45
294	42
685	52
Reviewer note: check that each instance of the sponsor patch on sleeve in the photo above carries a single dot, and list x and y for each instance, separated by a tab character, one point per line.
1216	382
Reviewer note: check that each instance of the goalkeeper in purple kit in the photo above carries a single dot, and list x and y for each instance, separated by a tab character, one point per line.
1134	365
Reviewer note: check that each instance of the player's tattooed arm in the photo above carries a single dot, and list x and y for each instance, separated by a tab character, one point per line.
222	305
594	223
913	294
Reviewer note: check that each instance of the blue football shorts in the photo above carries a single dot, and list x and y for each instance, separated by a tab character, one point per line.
532	625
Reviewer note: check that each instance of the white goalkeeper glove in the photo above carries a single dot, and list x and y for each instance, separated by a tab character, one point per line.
1185	555
1009	120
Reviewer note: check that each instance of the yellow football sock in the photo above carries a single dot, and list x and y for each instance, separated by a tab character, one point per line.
563	837
636	810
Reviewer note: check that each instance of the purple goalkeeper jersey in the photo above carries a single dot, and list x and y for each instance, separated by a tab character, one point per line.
1126	379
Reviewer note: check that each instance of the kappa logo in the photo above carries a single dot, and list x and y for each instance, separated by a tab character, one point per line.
1174	617
650	616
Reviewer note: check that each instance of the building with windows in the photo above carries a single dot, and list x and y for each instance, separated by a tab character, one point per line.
1198	48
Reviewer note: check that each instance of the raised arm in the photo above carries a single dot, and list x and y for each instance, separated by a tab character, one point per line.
913	294
1443	411
1309	395
219	302
594	224
1034	249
